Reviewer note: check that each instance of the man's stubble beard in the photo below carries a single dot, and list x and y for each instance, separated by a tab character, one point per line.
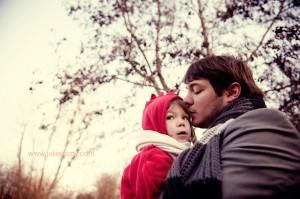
218	109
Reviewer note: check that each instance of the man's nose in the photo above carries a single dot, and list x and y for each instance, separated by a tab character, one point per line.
188	99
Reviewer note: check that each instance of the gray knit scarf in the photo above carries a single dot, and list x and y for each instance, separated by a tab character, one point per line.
196	172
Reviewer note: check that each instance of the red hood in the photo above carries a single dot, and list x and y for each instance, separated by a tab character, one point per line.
154	114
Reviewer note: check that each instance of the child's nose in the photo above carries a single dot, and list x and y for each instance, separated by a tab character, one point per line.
180	122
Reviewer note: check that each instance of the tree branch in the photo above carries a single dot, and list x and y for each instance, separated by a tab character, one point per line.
204	29
253	53
278	88
139	84
128	26
68	140
157	49
148	78
20	166
53	130
133	65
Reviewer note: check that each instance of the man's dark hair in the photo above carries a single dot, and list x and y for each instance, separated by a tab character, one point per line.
222	71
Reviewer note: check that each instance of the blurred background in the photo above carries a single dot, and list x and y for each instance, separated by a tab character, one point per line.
75	75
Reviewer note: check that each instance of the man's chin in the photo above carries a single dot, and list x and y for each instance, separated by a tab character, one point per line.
199	124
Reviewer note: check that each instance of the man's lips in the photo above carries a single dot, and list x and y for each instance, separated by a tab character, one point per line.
192	111
192	114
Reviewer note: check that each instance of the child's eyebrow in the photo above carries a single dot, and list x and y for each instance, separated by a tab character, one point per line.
170	112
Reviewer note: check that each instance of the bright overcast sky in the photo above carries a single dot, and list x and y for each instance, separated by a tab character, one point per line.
29	31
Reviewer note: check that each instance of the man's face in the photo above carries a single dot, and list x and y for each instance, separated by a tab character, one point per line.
204	104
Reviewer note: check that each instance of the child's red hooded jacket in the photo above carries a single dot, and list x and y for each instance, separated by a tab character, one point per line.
145	176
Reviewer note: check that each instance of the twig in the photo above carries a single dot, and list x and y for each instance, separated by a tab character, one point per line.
157	49
70	132
138	83
53	130
253	53
148	78
278	88
128	26
204	29
19	172
133	65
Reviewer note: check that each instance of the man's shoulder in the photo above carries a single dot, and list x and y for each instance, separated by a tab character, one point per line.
262	112
264	117
259	148
265	121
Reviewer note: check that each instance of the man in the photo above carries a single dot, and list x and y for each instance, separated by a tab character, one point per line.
248	151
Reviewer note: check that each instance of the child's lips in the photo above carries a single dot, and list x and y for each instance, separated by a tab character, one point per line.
181	133
182	136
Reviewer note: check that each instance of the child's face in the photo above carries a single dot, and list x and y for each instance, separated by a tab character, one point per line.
177	123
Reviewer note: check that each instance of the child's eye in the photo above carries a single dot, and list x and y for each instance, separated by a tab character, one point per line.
170	117
185	117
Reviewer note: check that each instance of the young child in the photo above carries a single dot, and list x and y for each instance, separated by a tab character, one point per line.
167	132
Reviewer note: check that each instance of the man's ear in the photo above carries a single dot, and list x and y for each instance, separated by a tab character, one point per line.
232	92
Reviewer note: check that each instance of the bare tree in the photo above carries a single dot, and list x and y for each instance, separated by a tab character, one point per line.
164	36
